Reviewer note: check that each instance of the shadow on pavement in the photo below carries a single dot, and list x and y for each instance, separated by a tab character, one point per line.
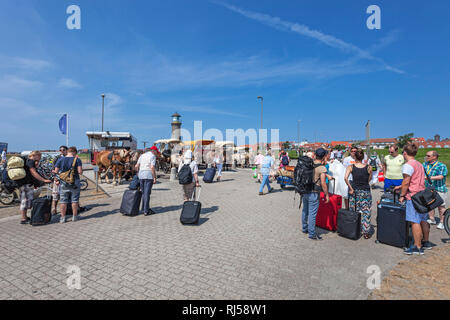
100	214
209	210
159	210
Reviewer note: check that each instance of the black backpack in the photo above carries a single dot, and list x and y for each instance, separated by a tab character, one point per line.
285	161
373	163
304	175
185	175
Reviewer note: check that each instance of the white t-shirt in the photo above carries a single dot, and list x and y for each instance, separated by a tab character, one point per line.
193	165
408	169
146	162
348	161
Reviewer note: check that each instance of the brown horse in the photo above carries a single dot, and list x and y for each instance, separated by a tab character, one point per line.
116	161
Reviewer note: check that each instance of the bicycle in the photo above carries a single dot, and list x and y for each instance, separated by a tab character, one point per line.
447	221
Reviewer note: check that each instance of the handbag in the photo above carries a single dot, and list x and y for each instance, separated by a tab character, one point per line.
428	199
69	176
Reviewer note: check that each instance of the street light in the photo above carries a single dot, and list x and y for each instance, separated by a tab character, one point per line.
103	109
298	132
262	100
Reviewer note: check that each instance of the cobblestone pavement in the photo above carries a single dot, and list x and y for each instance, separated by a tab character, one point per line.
246	247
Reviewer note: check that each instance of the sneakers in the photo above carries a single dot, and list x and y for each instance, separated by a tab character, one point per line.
261	194
414	250
431	221
75	218
271	190
440	226
62	220
426	245
316	237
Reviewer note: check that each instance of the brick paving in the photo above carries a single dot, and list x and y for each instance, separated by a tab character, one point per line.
246	247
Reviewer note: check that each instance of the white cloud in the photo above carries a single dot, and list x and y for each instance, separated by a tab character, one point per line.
304	30
68	83
23	63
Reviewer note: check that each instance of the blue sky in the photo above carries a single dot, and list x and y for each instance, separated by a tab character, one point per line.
314	61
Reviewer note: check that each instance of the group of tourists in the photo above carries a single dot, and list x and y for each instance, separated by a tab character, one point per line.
403	174
66	172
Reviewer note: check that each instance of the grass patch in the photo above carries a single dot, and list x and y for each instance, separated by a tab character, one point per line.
444	154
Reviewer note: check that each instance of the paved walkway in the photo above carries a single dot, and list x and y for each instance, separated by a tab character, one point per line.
246	247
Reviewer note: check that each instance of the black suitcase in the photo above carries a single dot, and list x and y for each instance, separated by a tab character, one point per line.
392	227
209	175
41	211
131	202
349	224
190	213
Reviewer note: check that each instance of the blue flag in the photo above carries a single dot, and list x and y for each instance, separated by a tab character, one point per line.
63	124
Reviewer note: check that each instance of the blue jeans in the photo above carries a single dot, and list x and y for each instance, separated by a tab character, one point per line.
146	189
219	167
310	208
265	180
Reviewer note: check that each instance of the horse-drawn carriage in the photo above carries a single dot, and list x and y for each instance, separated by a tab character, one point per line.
168	156
114	153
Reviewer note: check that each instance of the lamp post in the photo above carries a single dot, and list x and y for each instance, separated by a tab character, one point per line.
103	109
298	132
262	101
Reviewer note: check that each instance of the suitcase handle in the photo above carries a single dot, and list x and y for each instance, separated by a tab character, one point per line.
195	191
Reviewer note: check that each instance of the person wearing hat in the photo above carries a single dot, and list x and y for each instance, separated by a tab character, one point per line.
311	200
188	189
147	177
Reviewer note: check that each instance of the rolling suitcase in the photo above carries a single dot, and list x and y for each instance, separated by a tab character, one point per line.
349	224
41	211
209	175
328	212
131	202
392	227
191	211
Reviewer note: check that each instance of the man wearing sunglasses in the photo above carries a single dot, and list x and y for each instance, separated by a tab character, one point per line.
392	168
438	173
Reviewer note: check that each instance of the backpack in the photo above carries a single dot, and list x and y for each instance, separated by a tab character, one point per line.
373	163
10	185
16	168
69	176
285	161
134	184
185	175
304	175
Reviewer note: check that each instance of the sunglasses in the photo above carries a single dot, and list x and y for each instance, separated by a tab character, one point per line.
428	156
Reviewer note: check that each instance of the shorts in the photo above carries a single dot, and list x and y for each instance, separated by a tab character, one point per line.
188	190
55	192
444	197
69	194
26	196
390	182
412	215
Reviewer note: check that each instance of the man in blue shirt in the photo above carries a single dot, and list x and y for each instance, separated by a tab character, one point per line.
266	165
69	194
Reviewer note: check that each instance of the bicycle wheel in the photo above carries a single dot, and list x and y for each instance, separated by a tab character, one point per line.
83	184
447	221
6	198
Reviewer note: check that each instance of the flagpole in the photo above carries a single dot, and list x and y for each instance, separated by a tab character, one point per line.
67	130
